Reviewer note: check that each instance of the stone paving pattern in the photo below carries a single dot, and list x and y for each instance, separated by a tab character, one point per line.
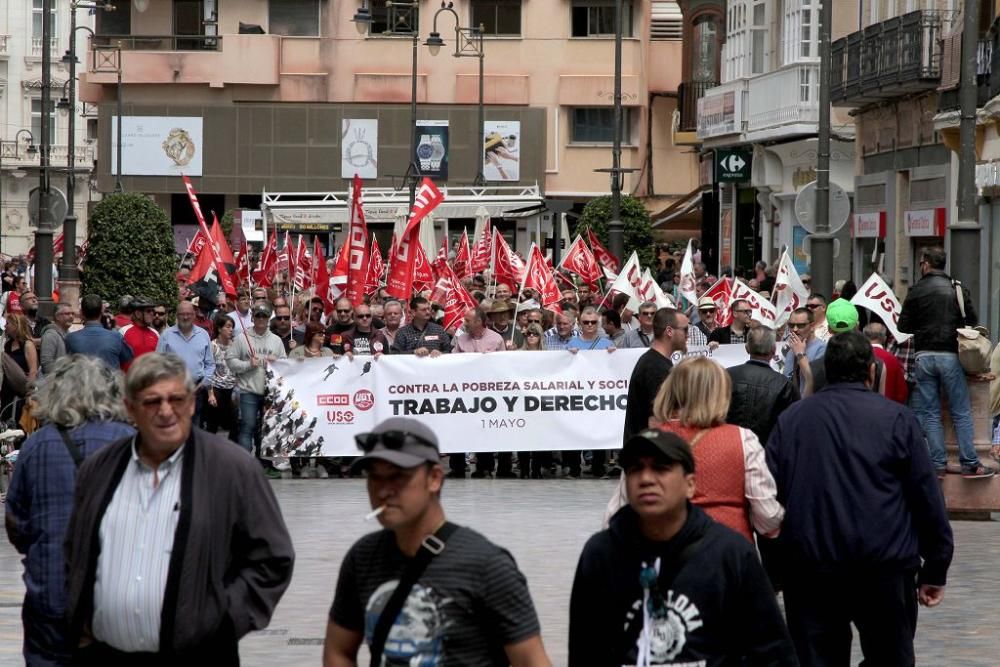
544	524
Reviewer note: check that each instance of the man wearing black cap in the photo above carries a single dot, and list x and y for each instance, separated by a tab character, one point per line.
666	585
423	590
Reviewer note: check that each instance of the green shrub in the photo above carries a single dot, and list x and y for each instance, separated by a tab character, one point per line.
131	251
638	231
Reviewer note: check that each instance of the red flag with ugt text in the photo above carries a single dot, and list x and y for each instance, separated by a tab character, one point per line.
267	263
602	254
423	275
507	267
456	301
721	293
242	274
462	257
321	279
376	269
303	266
400	283
357	248
538	277
581	261
482	251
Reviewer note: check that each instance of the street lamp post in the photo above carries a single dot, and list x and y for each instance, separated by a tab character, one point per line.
46	224
468	44
616	228
401	14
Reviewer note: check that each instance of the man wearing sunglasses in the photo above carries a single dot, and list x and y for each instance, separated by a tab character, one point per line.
735	333
803	349
248	356
363	338
208	554
463	599
643	335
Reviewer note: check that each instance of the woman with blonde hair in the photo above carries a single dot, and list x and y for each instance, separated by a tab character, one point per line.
732	482
534	338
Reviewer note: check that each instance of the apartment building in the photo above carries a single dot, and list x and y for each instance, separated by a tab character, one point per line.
758	128
21	114
265	100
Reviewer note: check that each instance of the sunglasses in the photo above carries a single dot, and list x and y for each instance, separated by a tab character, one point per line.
343	311
707	310
531	321
366	442
647	313
797	325
160	313
813	306
282	317
366	316
588	322
531	334
152	404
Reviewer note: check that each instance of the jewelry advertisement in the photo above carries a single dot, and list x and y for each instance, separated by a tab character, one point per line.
359	147
432	148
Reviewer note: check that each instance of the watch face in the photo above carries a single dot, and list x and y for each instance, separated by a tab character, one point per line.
424	151
438	150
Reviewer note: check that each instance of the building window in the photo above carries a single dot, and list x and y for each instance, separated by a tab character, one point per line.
294	18
397	20
705	50
36	120
758	38
36	20
596	18
736	47
117	22
799	35
595	125
498	17
666	22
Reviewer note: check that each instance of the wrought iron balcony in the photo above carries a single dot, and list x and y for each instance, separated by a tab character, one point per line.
689	92
159	42
899	56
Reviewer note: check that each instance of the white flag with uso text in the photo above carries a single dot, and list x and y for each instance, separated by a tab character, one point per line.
879	298
789	292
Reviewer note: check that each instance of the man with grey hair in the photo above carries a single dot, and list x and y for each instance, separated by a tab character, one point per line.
892	383
759	393
193	345
392	314
53	345
643	335
208	553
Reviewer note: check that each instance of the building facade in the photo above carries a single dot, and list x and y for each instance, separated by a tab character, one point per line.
21	113
289	97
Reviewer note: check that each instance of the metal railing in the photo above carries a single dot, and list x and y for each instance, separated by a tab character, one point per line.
13	154
787	95
36	46
689	93
159	42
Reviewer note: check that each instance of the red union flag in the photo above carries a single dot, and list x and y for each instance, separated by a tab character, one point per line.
601	253
303	266
456	301
203	268
423	275
581	261
263	273
462	257
482	251
721	293
197	244
401	272
242	275
376	269
507	267
538	277
357	241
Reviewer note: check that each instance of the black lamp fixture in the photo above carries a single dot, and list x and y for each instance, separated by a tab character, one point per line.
434	43
362	19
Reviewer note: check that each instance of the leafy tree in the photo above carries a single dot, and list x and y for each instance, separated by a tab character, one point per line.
638	231
227	221
131	251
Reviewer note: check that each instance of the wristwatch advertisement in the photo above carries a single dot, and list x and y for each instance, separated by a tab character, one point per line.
432	148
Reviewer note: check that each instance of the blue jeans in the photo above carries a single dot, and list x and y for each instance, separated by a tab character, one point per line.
250	405
937	371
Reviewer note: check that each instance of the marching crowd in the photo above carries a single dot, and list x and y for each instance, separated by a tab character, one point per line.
735	484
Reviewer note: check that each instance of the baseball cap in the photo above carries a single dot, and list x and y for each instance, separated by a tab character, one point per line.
403	442
841	316
706	302
660	444
262	309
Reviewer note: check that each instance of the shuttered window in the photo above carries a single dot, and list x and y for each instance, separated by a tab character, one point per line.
666	21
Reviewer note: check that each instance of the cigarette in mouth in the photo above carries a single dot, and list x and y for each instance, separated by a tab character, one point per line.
375	512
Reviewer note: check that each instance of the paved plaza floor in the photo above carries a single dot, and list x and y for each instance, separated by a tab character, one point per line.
544	524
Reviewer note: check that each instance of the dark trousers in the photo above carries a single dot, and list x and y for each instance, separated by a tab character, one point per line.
882	605
222	650
534	464
571	460
44	639
222	416
504	462
598	458
456	463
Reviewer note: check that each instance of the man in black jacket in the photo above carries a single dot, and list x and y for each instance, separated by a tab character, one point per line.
931	313
760	393
735	332
866	532
666	585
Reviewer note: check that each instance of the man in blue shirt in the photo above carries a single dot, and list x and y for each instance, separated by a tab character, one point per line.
194	347
94	340
802	328
589	337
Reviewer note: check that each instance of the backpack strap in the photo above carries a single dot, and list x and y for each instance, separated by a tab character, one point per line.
431	547
71	446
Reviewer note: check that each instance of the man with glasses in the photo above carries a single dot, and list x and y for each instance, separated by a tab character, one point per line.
281	326
590	338
735	333
138	334
707	311
194	347
932	313
670	328
363	338
248	357
208	553
803	349
643	335
343	320
440	593
816	303
160	319
241	316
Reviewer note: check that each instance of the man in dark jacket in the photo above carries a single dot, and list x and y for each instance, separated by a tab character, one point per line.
759	392
670	328
176	547
737	331
866	532
931	313
666	585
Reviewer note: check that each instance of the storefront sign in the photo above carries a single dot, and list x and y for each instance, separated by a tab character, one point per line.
927	222
717	115
732	165
869	225
726	238
432	148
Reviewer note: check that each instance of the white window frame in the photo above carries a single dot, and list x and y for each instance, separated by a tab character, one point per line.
35	120
735	52
800	32
35	11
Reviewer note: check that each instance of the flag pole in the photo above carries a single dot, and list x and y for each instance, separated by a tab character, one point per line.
524	281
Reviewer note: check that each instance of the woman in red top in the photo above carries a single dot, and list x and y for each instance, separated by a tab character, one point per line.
732	482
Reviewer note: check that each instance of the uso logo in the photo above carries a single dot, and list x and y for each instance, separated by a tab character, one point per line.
364	400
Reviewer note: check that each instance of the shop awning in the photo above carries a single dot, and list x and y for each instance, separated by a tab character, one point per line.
683	206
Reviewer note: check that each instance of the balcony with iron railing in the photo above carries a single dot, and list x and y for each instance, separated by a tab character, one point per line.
688	93
898	56
16	156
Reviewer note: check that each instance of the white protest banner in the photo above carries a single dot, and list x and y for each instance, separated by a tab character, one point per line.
687	286
789	290
763	310
510	401
876	296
